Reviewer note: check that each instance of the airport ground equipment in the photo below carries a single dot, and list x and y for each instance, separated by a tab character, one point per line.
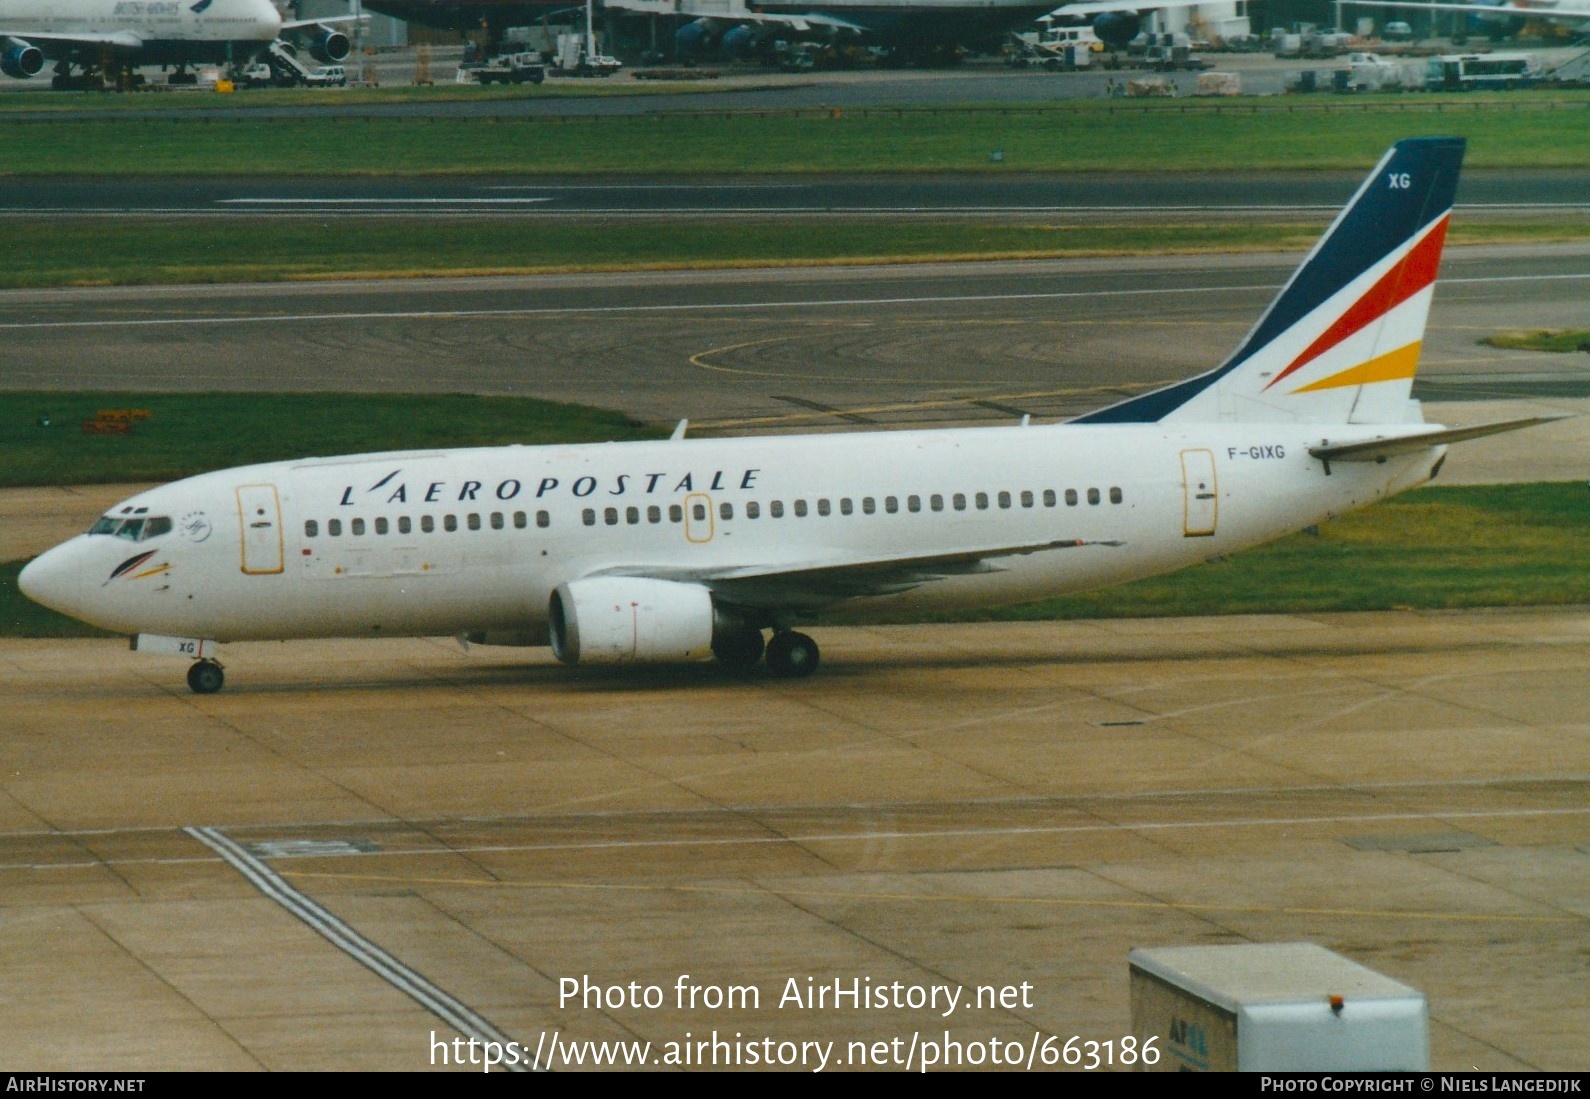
1274	1007
508	68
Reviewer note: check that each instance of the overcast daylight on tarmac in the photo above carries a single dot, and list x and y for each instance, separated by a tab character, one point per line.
361	852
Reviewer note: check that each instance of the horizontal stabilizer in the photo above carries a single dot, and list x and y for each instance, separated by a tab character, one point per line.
1377	449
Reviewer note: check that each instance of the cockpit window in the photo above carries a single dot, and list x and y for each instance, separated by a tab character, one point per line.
138	529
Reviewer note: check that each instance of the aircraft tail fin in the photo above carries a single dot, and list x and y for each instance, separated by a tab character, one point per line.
1340	342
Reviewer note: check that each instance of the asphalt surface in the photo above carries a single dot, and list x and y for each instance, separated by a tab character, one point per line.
983	805
772	349
1481	192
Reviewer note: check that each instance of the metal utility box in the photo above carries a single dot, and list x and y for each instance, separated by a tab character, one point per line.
1274	1007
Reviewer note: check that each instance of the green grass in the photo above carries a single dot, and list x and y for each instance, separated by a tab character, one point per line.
1572	339
190	433
1081	135
1435	548
95	252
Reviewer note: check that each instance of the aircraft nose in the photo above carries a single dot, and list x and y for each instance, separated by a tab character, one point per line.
43	580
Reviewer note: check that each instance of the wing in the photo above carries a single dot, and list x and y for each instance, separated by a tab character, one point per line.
1538	12
1098	7
810	585
54	44
300	24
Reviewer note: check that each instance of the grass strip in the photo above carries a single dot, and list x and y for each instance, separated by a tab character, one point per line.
1434	548
191	433
1572	339
1169	136
46	252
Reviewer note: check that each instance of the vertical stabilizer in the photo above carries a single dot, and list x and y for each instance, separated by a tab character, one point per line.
1340	343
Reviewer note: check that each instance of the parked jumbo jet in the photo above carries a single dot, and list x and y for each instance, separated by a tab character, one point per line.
95	34
670	551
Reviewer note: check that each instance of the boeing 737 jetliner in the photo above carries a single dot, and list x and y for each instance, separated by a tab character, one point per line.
672	551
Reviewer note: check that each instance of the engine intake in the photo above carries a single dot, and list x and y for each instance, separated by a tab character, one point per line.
630	620
21	59
330	47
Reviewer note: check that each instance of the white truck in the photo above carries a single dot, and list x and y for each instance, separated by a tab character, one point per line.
508	68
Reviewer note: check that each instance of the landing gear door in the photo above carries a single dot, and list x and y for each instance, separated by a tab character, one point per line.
259	513
1200	496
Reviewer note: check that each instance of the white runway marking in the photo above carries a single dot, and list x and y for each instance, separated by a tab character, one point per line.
455	1014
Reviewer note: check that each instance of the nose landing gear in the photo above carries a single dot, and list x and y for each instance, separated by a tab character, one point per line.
205	677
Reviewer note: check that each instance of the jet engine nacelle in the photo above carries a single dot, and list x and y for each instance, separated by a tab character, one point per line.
630	620
330	46
695	39
1116	29
21	59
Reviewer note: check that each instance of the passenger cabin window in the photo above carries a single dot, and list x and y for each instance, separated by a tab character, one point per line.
449	523
381	525
428	524
356	527
405	525
334	527
1071	497
1093	495
311	529
543	519
474	520
726	510
775	508
753	510
800	509
496	520
824	507
1115	496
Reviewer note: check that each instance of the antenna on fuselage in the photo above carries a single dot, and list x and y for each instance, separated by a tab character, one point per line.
679	432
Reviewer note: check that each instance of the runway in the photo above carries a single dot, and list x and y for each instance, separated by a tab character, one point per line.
964	806
1483	192
799	349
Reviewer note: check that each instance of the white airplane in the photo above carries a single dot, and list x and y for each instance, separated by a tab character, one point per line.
1571	13
675	550
97	33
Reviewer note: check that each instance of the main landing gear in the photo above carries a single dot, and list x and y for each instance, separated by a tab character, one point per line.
790	655
206	677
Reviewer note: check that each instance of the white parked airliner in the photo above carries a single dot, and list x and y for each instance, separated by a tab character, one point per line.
676	550
96	33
